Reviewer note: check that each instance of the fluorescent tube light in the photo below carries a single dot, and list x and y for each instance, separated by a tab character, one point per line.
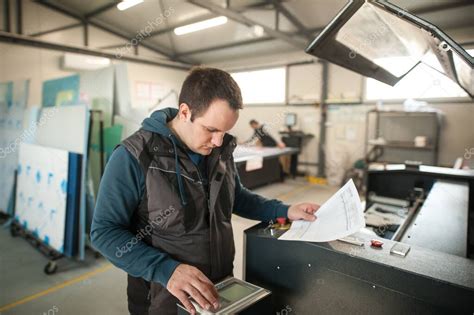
200	25
125	4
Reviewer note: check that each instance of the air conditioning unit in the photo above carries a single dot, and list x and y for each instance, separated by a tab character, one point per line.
78	62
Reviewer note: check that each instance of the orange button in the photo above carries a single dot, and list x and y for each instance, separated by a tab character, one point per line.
376	243
281	221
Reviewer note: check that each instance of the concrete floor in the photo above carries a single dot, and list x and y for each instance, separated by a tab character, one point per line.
95	286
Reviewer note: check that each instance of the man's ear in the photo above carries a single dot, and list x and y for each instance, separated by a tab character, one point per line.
184	112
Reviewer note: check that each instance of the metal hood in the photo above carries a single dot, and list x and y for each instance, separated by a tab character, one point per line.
380	40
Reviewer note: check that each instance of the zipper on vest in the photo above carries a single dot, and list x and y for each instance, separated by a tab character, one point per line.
185	176
203	186
206	191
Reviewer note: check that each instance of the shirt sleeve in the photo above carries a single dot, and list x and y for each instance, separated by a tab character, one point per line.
253	206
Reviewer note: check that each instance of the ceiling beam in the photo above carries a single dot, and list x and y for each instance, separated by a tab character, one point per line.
257	5
6	16
61	10
111	46
103	27
57	29
38	43
313	31
101	9
202	18
294	20
19	16
238	17
170	37
86	34
226	46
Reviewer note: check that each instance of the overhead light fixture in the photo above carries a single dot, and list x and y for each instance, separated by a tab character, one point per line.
126	4
200	25
258	31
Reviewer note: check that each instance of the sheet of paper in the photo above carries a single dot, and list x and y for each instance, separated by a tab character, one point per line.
254	163
338	217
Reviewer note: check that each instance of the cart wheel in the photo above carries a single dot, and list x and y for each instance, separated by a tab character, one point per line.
50	268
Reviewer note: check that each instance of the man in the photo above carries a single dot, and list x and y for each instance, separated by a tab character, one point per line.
262	136
164	207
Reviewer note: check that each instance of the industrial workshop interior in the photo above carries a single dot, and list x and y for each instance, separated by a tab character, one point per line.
236	157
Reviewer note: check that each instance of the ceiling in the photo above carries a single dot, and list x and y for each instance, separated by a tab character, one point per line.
289	24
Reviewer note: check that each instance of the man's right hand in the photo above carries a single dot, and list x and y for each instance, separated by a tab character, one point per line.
188	281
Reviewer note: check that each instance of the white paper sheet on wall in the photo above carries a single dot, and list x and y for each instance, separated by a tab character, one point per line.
42	192
338	217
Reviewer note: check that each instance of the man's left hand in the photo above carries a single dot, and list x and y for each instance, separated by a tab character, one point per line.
303	211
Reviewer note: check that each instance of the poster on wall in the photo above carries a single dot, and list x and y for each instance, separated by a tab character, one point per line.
41	193
62	91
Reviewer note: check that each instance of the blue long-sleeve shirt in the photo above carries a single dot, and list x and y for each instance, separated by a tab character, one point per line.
121	189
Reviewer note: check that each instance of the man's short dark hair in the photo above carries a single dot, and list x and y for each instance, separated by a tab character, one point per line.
253	121
203	85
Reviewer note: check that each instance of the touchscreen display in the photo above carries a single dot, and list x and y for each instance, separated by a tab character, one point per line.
235	292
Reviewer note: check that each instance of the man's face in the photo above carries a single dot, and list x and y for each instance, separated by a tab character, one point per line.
207	131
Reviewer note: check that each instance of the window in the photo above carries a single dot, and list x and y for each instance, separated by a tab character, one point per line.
262	86
423	82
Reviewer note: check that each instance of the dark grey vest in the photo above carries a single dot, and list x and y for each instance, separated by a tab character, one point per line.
199	233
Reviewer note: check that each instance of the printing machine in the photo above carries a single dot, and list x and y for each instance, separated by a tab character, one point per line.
426	262
268	167
436	276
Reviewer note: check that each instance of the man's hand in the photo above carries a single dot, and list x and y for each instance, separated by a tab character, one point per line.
188	281
303	211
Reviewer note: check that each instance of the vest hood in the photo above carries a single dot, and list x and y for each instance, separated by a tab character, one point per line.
157	123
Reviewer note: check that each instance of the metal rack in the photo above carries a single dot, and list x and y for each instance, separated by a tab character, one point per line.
398	129
53	255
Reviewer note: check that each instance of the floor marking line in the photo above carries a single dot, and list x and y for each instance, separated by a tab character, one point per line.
56	287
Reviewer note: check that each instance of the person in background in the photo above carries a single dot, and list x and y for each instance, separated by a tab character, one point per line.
263	136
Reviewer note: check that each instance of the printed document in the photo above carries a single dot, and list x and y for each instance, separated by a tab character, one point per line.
338	217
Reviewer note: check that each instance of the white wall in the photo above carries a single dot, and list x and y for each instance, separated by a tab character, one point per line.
37	65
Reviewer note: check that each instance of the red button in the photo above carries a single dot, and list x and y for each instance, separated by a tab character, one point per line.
376	243
281	221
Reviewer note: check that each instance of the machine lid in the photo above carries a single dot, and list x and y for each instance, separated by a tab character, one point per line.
380	40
